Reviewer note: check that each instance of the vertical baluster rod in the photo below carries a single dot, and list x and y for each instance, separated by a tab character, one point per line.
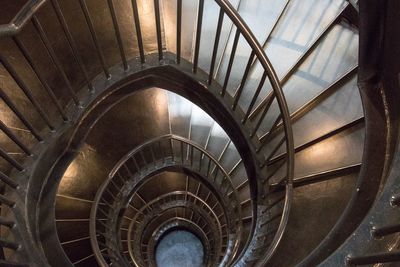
266	108
71	42
94	37
231	59
21	84
45	85
216	44
181	145
54	58
198	35
118	34
255	96
158	28
7	180
178	31
20	116
14	138
239	91
138	30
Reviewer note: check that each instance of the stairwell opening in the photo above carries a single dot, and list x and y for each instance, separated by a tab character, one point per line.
179	248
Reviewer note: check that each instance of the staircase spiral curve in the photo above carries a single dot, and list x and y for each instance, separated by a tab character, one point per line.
252	125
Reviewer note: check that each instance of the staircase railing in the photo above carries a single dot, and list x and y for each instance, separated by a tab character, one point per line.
73	97
166	202
143	162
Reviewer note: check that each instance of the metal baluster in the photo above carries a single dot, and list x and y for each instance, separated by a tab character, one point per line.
392	256
21	117
239	91
265	111
114	185
386	230
103	212
216	173
118	34
198	35
178	31
84	258
206	199
71	42
158	28
186	189
7	180
135	163
27	93
235	167
106	202
216	44
54	58
10	160
161	151
191	155
138	30
121	178
14	138
110	193
144	201
153	156
208	167
272	153
242	185
93	35
181	145
40	77
273	218
200	160
265	138
231	59
143	157
130	174
197	194
222	153
273	204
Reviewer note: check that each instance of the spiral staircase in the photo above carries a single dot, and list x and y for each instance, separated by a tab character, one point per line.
267	130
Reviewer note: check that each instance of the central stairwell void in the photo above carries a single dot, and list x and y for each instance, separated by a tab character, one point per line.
207	132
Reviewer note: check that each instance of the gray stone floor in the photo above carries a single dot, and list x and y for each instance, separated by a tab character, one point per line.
180	249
